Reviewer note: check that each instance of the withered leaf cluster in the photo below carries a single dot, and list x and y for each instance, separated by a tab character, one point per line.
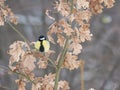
75	24
6	14
22	62
47	83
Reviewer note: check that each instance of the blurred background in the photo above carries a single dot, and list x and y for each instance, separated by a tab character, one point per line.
101	55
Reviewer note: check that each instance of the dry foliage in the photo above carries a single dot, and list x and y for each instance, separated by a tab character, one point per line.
47	83
73	25
6	14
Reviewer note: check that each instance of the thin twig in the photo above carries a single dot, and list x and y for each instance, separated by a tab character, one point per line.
19	33
72	6
61	60
52	63
28	78
23	75
82	76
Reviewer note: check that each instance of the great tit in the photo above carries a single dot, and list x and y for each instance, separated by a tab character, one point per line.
42	44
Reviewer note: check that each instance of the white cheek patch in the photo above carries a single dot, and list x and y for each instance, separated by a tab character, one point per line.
43	38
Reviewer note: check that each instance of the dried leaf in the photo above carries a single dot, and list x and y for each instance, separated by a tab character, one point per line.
37	54
28	61
95	6
47	13
16	50
63	8
71	61
109	3
46	83
21	84
67	27
37	86
82	4
63	85
76	47
60	40
50	38
85	33
42	64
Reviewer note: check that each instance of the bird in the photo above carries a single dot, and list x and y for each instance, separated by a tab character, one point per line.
42	44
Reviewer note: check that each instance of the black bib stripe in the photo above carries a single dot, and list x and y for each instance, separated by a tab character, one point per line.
41	46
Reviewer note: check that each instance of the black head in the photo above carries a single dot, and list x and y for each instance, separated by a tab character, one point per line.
41	38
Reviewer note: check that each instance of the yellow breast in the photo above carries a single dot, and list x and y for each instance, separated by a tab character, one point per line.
37	45
46	45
